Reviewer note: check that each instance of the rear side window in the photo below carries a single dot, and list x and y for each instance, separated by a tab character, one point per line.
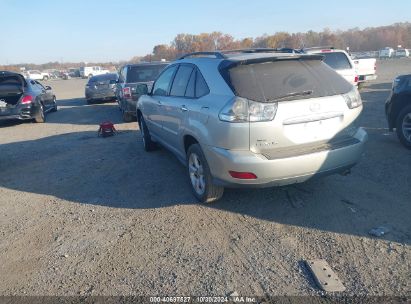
285	80
144	73
181	80
163	82
201	86
336	60
191	86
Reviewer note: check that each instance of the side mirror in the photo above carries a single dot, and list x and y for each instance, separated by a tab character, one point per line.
142	89
48	88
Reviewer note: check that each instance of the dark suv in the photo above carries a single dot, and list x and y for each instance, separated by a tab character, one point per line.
398	109
129	77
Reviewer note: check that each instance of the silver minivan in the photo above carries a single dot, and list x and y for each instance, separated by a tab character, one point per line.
252	118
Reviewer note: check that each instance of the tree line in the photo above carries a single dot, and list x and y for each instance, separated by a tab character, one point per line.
358	40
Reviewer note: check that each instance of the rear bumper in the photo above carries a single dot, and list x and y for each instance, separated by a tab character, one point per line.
21	113
281	171
90	95
363	78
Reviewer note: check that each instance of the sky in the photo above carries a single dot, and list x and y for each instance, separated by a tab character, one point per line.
112	30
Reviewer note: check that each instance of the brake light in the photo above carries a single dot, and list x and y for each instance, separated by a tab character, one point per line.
126	92
27	99
356	79
243	110
326	51
243	175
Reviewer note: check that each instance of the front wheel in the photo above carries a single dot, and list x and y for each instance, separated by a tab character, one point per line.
200	176
54	105
148	144
403	127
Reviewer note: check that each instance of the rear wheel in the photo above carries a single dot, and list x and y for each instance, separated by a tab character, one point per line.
40	117
403	127
127	117
200	176
90	75
45	78
148	144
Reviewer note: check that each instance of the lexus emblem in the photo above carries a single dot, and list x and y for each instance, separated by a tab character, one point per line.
315	107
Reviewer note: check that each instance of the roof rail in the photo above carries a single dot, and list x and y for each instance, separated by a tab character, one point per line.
217	55
261	50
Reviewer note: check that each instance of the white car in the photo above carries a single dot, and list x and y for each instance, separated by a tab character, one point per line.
339	60
386	52
402	53
37	75
88	72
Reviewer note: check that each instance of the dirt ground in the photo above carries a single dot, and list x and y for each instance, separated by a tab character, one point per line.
82	215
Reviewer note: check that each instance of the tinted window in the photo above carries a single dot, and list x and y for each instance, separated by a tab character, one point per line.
105	78
190	90
163	82
181	80
201	86
338	61
269	81
144	73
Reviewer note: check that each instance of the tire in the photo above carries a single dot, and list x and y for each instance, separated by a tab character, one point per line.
127	117
55	108
148	144
200	177
90	75
45	78
404	121
40	117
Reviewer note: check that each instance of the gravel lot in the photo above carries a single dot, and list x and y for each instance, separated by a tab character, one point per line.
82	215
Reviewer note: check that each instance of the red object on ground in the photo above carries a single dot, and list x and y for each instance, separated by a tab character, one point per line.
106	129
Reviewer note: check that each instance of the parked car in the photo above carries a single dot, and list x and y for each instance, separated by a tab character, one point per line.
73	72
252	119
398	109
101	88
88	72
37	75
24	99
339	60
129	77
366	69
402	53
386	53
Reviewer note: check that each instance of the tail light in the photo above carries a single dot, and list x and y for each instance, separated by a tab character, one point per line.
356	79
27	99
375	66
127	92
242	110
353	98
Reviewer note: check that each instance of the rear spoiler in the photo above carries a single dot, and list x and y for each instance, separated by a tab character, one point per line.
227	64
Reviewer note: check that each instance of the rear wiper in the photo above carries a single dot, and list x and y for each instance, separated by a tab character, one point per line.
293	94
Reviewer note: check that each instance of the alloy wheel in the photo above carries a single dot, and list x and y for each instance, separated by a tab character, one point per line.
196	172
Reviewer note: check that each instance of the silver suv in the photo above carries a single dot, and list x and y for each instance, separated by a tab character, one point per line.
252	118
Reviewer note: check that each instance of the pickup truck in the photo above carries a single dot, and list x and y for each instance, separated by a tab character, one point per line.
366	69
37	75
88	72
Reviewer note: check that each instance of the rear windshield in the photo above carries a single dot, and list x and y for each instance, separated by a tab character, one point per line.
105	77
336	60
144	73
285	80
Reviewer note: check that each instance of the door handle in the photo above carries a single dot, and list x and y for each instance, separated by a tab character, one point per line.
183	108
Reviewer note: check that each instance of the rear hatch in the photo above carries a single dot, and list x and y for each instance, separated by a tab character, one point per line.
103	83
311	110
142	74
11	90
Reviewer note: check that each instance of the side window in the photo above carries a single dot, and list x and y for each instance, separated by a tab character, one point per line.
201	86
190	91
163	82
181	80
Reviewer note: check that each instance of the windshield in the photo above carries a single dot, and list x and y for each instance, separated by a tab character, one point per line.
144	73
336	60
286	80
